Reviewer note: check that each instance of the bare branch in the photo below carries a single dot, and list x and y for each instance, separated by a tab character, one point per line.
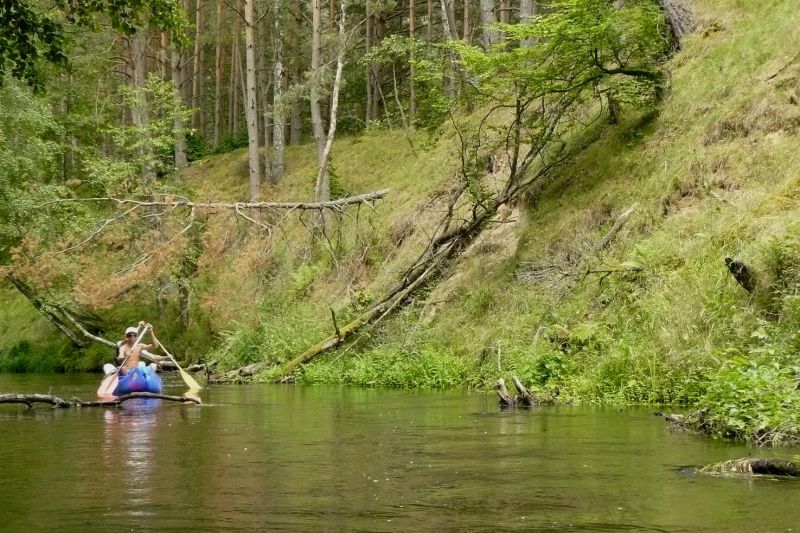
309	206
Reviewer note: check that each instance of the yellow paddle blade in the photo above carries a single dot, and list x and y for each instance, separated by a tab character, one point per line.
189	380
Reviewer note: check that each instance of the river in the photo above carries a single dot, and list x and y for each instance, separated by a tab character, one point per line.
283	457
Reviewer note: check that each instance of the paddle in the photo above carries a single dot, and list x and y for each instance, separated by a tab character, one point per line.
110	382
189	380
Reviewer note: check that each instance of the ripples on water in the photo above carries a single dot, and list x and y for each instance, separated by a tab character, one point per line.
333	459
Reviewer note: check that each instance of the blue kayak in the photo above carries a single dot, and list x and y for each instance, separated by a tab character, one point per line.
140	379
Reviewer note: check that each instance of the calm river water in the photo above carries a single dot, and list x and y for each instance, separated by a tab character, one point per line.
270	457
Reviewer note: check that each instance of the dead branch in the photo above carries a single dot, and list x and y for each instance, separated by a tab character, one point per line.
305	206
56	401
84	331
335	325
44	308
506	400
621	220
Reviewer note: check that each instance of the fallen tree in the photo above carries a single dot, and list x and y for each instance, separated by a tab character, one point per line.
56	401
680	18
752	465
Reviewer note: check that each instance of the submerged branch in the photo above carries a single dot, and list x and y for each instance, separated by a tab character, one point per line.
56	401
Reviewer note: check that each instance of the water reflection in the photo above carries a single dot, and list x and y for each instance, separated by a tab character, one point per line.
128	447
336	459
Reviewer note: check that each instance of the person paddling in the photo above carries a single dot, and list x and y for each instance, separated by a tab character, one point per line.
128	355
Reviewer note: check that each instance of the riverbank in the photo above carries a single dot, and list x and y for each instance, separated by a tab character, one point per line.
609	284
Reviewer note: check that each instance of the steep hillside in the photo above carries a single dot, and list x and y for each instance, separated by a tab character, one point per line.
610	284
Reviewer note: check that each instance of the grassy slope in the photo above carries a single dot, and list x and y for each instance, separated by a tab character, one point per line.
715	173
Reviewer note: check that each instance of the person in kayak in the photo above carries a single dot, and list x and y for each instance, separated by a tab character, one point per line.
128	355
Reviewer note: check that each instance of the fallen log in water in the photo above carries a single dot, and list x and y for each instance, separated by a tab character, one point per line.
748	466
525	397
55	401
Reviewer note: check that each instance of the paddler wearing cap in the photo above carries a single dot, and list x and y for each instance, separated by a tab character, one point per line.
128	354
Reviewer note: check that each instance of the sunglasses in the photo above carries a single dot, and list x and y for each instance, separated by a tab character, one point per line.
131	335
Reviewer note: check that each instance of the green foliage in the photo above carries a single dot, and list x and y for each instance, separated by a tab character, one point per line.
29	155
397	51
30	33
52	357
231	142
753	401
196	146
139	148
25	36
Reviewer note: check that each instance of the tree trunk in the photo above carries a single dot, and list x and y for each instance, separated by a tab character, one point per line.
295	130
505	11
139	110
316	79
233	87
429	26
178	127
467	36
277	102
197	67
163	56
323	185
449	35
490	34
251	109
680	17
264	80
527	8
412	101
218	50
367	46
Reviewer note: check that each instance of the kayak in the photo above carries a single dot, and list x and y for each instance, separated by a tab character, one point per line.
143	378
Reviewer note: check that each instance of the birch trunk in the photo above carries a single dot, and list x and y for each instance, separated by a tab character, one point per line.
323	186
251	110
